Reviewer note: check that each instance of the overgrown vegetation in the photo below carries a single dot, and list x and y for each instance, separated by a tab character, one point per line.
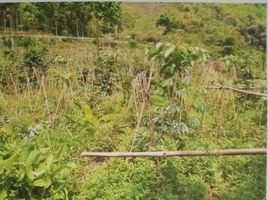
146	92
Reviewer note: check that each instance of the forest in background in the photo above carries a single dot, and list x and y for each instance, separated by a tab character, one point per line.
138	81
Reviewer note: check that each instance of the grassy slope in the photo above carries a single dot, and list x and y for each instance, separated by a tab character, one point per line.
230	124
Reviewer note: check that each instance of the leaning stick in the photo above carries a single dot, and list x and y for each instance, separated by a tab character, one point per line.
237	90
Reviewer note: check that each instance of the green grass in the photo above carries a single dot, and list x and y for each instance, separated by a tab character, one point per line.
69	115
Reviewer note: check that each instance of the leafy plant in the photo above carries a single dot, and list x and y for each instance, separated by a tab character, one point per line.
87	119
25	41
132	43
34	58
28	174
168	23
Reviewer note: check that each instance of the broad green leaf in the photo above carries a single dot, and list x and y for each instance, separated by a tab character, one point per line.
43	182
201	107
28	165
38	174
57	170
9	162
173	108
167	83
182	128
3	194
25	154
43	150
183	93
194	122
1	166
111	117
29	173
47	164
89	116
32	157
169	51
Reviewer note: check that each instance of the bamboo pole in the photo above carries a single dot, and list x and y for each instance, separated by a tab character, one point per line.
236	89
229	152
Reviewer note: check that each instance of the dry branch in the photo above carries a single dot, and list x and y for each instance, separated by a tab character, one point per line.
230	152
141	89
236	89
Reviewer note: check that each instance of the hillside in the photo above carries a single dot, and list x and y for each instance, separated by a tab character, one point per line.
150	81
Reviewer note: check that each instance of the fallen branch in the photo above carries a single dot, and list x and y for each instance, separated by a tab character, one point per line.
230	152
236	89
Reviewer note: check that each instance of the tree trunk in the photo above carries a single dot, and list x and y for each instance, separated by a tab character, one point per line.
4	20
65	24
21	22
17	20
11	21
77	29
56	27
82	27
115	30
97	40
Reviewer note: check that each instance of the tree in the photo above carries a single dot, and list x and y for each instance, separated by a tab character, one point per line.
168	23
105	16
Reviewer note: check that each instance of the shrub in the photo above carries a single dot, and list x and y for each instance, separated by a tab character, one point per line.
126	180
29	174
132	43
24	41
9	54
106	73
167	22
7	42
133	35
34	59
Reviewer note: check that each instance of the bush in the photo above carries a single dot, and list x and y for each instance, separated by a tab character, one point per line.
133	35
24	41
7	42
168	23
126	180
9	54
30	174
34	58
106	73
132	43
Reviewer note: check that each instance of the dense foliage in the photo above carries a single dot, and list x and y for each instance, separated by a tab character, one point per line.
145	91
59	18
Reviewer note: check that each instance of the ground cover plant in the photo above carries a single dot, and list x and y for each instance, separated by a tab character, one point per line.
131	77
